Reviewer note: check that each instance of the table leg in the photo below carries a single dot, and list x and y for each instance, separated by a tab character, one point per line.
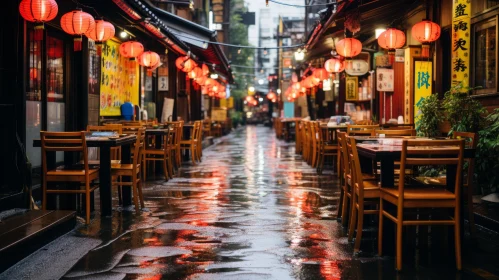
106	197
387	172
126	191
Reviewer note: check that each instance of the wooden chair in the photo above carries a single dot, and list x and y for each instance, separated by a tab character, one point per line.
298	141
393	132
191	144
163	154
364	192
206	128
178	139
326	148
471	141
315	143
361	130
200	142
67	142
420	153
132	170
216	130
117	128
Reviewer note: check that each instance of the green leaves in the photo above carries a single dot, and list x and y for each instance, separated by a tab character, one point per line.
430	117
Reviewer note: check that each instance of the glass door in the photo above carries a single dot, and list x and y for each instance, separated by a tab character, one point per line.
45	96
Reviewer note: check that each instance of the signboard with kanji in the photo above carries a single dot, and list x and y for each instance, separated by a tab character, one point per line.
461	23
352	88
423	77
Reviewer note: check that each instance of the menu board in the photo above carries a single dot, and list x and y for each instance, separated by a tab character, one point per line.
119	82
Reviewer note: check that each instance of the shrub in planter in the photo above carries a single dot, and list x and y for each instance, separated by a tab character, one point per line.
463	112
487	156
430	117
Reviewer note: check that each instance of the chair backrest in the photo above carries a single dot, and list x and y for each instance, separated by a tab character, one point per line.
108	127
432	152
361	130
471	141
139	145
131	129
63	142
393	132
344	162
353	157
364	122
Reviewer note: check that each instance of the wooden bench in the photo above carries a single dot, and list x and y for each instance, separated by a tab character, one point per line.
23	234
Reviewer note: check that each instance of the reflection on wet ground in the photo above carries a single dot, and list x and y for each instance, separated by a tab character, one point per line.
251	210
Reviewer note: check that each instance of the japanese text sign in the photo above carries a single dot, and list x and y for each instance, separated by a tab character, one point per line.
461	11
422	84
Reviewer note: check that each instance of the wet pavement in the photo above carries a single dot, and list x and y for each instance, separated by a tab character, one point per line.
251	210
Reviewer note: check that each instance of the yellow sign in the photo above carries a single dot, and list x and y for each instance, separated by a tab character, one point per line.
119	80
352	88
461	24
230	102
423	78
223	102
218	114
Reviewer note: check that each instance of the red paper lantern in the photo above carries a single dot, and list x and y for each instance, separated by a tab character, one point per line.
321	74
77	23
349	47
33	73
131	49
149	59
426	32
201	80
391	39
38	11
209	83
101	32
185	64
206	70
271	95
334	65
195	73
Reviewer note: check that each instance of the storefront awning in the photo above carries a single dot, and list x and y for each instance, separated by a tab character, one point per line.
137	20
198	38
372	14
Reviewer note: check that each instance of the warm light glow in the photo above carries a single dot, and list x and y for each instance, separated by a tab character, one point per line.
349	47
279	91
299	55
123	34
251	89
378	32
260	82
214	76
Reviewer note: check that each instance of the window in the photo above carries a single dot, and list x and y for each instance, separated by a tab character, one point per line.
485	46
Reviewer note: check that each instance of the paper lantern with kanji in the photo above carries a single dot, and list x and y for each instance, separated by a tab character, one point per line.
77	23
426	32
334	65
149	59
349	47
131	49
101	32
321	74
391	39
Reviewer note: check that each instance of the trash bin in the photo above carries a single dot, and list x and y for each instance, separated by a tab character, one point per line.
127	111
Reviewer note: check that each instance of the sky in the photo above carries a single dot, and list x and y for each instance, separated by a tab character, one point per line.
276	9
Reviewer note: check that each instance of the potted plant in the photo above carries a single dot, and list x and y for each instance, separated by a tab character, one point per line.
487	156
430	117
463	112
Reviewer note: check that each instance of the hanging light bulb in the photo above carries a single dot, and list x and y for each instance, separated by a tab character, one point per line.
205	45
191	5
265	52
239	51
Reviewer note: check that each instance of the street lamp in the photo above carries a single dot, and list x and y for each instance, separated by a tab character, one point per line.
251	89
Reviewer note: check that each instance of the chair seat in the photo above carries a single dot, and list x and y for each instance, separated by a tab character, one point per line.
154	151
97	162
71	172
123	166
371	189
421	193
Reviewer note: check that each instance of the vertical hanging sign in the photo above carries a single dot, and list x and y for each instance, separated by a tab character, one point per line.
422	84
461	20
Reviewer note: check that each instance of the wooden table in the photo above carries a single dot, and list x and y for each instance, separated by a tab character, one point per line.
386	155
104	144
330	131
